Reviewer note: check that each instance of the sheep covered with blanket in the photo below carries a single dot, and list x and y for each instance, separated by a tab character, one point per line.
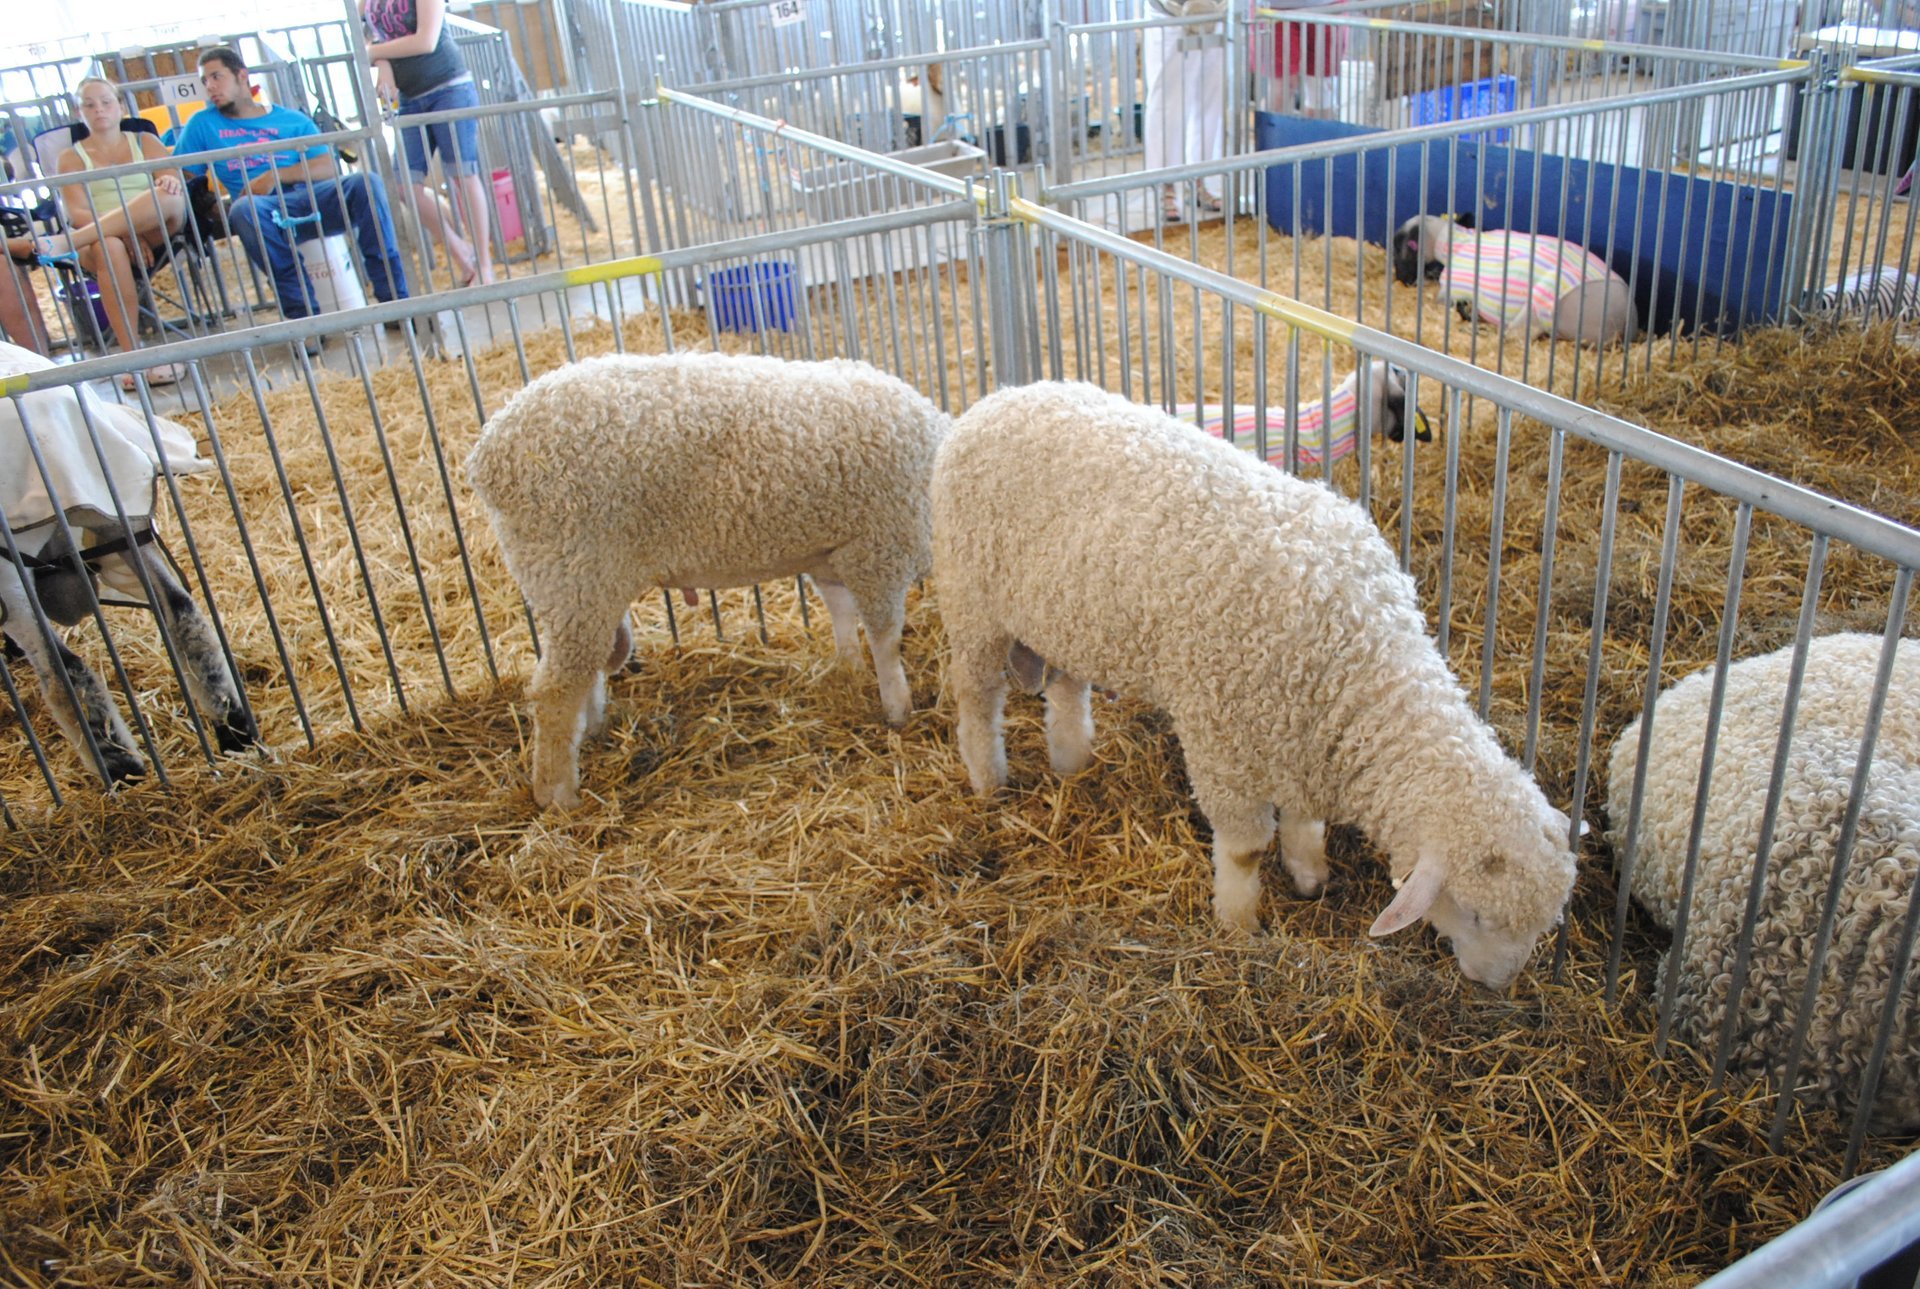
1269	618
1525	282
79	482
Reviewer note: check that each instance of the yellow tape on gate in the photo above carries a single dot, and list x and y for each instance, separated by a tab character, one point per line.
1306	317
613	270
11	385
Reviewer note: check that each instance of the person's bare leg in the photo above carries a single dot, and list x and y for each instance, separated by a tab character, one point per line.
111	265
149	215
474	215
437	220
20	315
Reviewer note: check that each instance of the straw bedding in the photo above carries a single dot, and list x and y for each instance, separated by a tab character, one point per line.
783	1004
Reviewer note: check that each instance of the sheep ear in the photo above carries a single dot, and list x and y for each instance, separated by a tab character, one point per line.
1416	895
1560	826
1464	219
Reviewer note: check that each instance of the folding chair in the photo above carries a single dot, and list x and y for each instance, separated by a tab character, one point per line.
184	249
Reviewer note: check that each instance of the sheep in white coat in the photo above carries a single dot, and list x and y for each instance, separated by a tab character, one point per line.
1268	617
614	475
1884	864
1540	285
84	480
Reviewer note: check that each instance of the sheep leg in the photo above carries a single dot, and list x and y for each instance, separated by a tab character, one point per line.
1303	849
1242	829
595	722
1069	725
204	668
1596	313
845	615
96	713
569	694
978	674
882	609
884	612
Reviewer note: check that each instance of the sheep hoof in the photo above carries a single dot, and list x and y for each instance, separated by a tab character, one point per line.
1243	920
560	796
236	732
1307	884
122	766
1070	762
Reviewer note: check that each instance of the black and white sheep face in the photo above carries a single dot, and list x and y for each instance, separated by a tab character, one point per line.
1392	386
1419	250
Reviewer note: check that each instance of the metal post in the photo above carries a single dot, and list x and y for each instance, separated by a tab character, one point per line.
1008	250
1060	134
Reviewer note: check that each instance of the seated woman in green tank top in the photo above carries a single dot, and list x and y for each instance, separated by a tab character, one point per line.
116	224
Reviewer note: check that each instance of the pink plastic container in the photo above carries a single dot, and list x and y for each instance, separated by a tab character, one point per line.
506	206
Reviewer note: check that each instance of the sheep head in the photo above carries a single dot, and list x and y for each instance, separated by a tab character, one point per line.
1420	248
1390	387
1493	899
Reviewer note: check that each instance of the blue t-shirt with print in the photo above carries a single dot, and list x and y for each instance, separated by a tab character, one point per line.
207	130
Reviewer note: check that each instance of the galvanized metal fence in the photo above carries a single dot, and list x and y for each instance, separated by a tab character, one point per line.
1320	217
1856	151
335	552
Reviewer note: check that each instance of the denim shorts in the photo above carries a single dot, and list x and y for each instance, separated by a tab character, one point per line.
457	142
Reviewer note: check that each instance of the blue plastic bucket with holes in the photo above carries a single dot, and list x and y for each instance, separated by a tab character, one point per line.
1488	97
753	297
81	296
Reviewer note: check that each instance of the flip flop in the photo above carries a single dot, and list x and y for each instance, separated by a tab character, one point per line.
164	374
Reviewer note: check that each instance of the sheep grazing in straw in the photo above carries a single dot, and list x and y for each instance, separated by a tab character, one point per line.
1269	618
1324	429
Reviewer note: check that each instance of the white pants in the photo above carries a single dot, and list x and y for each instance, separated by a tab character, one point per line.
1186	89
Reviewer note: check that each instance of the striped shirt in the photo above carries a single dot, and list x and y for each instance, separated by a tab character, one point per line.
1516	279
1314	426
1881	292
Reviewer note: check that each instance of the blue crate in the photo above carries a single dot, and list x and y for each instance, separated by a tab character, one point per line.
754	297
1486	97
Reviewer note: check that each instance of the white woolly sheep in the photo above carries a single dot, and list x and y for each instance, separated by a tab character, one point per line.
1880	876
1269	618
84	483
1532	283
614	475
1314	427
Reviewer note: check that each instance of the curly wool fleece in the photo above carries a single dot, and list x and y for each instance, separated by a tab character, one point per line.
1268	617
1880	876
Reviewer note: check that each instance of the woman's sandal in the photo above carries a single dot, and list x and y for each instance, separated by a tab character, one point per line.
164	374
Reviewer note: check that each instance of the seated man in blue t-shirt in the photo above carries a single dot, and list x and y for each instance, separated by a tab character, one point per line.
293	183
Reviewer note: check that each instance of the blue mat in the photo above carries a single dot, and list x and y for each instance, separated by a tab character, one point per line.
1693	269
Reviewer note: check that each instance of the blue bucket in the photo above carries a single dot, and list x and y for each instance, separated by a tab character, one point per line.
753	297
1487	97
77	294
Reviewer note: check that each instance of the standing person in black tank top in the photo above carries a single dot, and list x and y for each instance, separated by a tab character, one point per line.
416	62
